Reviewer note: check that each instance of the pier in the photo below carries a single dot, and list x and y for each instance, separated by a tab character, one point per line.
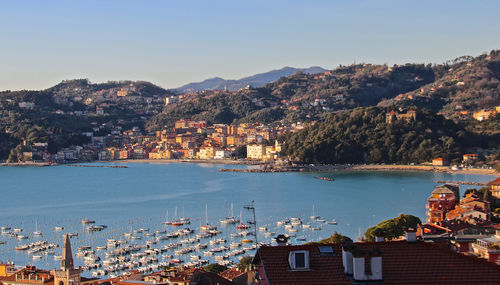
105	166
461	182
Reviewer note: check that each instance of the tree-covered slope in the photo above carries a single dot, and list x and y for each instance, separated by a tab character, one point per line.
363	136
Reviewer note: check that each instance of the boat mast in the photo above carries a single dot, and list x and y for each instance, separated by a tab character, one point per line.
226	210
206	213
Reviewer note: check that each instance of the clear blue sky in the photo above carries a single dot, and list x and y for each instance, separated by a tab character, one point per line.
171	43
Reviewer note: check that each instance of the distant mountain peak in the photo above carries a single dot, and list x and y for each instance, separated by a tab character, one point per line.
257	80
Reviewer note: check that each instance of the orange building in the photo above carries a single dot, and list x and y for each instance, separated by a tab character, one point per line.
443	199
469	157
440	162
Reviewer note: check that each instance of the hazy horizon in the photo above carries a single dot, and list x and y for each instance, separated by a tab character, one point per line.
171	44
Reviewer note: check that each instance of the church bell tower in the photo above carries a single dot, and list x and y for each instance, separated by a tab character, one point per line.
67	275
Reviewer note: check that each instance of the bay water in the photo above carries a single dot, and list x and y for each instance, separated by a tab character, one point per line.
141	194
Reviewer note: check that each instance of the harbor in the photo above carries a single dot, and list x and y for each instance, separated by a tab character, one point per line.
190	213
147	245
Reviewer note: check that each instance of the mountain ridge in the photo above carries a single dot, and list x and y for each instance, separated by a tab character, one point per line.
256	80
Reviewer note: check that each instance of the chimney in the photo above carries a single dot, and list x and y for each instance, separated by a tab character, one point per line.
379	235
367	265
347	247
411	235
281	240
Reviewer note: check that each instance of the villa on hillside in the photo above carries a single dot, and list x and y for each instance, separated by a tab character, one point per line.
393	116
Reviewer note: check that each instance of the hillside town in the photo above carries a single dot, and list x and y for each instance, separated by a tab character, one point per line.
187	140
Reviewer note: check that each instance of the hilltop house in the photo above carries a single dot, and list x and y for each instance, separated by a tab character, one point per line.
393	116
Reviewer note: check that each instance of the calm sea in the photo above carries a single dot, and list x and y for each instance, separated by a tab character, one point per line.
140	196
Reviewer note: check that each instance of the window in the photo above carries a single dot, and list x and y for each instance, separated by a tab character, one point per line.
325	250
299	260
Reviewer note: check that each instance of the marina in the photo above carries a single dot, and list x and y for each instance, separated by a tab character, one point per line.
117	222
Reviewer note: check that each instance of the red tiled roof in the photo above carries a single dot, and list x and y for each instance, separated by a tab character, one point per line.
495	182
402	263
231	273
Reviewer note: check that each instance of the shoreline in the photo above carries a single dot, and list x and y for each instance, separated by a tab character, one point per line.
427	168
301	168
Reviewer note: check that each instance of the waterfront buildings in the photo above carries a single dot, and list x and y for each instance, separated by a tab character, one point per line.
443	199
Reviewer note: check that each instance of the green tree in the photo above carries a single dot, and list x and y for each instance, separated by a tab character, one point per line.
244	262
215	268
393	228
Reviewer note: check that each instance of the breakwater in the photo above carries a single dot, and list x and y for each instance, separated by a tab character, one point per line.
104	166
461	182
264	170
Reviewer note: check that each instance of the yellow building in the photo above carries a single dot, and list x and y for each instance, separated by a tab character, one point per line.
182	138
7	269
469	157
155	154
121	93
256	151
206	152
235	140
482	115
495	189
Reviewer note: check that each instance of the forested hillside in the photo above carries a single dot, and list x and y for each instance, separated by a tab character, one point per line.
363	136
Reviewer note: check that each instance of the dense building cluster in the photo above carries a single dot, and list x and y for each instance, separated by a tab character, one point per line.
188	139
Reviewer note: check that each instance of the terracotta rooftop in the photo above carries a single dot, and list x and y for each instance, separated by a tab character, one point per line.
495	182
402	263
231	273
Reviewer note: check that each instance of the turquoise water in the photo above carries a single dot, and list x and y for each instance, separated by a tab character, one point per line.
140	195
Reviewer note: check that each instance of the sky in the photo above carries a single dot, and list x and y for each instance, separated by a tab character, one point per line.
174	42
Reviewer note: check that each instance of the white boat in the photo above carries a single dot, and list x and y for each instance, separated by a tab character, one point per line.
301	238
332	222
18	230
57	257
59	228
36	257
306	226
313	216
37	232
22	247
316	229
262	229
207	227
230	220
